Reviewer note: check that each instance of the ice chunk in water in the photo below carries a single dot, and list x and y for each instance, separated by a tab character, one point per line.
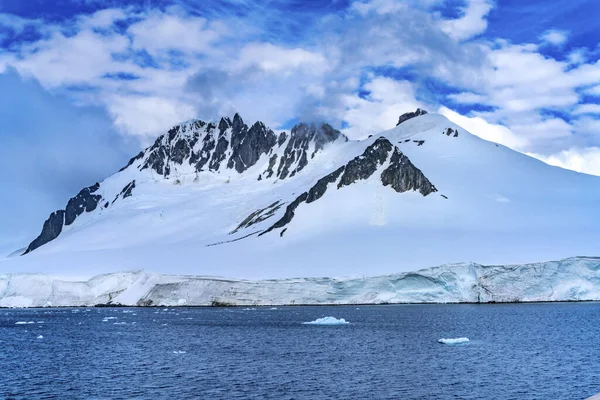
454	340
327	321
40	337
24	322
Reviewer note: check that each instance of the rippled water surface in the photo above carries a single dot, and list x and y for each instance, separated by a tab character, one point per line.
516	351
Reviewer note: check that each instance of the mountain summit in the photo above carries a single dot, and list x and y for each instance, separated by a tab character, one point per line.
241	200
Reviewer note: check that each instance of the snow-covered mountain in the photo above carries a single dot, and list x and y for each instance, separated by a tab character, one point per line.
225	198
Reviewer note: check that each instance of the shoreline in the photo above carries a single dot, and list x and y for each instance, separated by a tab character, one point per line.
267	306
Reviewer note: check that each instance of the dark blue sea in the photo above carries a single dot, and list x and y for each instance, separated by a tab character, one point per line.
516	351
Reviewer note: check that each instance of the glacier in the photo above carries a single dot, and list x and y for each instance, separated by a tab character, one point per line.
572	279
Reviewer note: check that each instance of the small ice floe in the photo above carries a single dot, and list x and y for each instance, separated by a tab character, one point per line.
127	311
179	352
459	340
119	323
40	337
248	309
327	321
273	308
24	322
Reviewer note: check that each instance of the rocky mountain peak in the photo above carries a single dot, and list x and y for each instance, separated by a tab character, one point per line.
406	116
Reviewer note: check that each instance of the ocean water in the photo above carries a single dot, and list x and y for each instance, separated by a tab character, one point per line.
516	351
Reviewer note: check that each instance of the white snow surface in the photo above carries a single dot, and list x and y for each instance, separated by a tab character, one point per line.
454	340
327	321
573	279
502	207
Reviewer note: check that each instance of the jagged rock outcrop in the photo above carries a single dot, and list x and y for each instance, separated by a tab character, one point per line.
50	231
85	201
409	115
234	146
363	166
403	176
400	174
298	147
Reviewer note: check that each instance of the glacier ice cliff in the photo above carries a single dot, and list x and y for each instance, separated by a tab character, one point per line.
572	279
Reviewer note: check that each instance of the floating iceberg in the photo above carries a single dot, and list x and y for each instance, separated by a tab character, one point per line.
40	337
327	321
24	322
454	341
179	352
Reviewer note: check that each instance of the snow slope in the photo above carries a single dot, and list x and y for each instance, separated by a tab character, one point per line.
572	279
474	201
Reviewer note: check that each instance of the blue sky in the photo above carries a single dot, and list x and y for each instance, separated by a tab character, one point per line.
85	84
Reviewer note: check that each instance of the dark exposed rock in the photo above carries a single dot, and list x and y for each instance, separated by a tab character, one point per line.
202	157
132	160
288	215
272	162
301	136
449	131
126	192
248	148
363	166
181	150
219	153
446	197
50	231
282	138
258	216
403	176
456	133
84	201
319	189
419	142
157	157
409	115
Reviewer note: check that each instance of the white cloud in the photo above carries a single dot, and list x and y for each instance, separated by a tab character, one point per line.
472	22
102	19
577	56
593	91
467	98
163	31
480	127
555	37
273	58
67	60
587	109
148	115
586	160
387	99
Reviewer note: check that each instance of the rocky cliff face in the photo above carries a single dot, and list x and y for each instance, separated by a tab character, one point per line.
85	201
231	147
409	115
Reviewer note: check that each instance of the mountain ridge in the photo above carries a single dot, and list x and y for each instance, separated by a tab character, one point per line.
233	145
426	192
